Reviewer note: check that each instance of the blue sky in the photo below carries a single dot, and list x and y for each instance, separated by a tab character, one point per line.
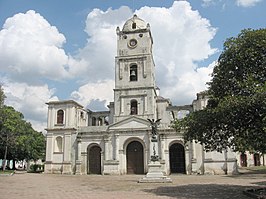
56	50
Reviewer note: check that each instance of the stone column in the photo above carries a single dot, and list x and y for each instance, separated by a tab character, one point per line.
145	103
162	140
67	154
49	153
84	162
122	163
102	164
188	157
106	148
51	121
67	145
167	161
49	147
78	161
122	105
116	147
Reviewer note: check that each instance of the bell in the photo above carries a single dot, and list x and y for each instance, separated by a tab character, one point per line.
133	73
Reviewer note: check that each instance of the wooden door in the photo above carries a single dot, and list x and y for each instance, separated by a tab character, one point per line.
135	162
177	158
94	160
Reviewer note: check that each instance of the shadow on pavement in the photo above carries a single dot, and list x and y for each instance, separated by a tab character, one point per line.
253	170
201	191
262	183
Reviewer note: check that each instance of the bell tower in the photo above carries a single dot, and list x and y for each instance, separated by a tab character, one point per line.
135	90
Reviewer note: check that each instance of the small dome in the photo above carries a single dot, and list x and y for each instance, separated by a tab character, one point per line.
133	24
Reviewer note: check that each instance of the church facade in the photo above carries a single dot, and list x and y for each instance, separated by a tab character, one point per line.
118	141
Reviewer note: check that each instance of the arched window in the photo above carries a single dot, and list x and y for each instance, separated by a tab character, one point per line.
133	73
133	107
58	144
81	115
93	122
60	116
100	121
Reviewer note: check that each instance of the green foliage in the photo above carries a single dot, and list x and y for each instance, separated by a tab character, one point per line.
236	112
241	66
6	172
36	168
21	140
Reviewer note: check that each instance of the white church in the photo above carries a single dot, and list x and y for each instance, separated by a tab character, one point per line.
119	141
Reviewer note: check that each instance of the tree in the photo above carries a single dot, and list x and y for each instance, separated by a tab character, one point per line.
18	140
10	120
236	112
30	144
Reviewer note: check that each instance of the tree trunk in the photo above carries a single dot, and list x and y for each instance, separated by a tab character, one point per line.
28	165
4	160
14	164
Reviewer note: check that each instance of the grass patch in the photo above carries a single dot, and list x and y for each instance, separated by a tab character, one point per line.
260	169
6	171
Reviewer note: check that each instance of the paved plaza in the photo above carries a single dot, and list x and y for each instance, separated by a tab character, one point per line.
29	186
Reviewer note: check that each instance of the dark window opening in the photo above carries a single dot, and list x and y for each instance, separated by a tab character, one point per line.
256	159
243	160
134	25
133	107
93	122
60	116
100	121
133	73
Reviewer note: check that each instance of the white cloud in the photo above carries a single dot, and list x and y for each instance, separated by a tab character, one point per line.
181	38
30	49
189	84
247	3
100	50
100	91
241	3
29	100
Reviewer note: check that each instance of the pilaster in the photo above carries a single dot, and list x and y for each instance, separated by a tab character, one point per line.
116	147
78	161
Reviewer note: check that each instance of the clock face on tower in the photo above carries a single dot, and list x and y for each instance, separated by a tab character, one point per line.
132	43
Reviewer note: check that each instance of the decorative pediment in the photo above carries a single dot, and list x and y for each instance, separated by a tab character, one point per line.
132	122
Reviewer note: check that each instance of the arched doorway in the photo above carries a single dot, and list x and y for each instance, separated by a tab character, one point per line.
256	159
243	160
135	162
94	157
177	158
